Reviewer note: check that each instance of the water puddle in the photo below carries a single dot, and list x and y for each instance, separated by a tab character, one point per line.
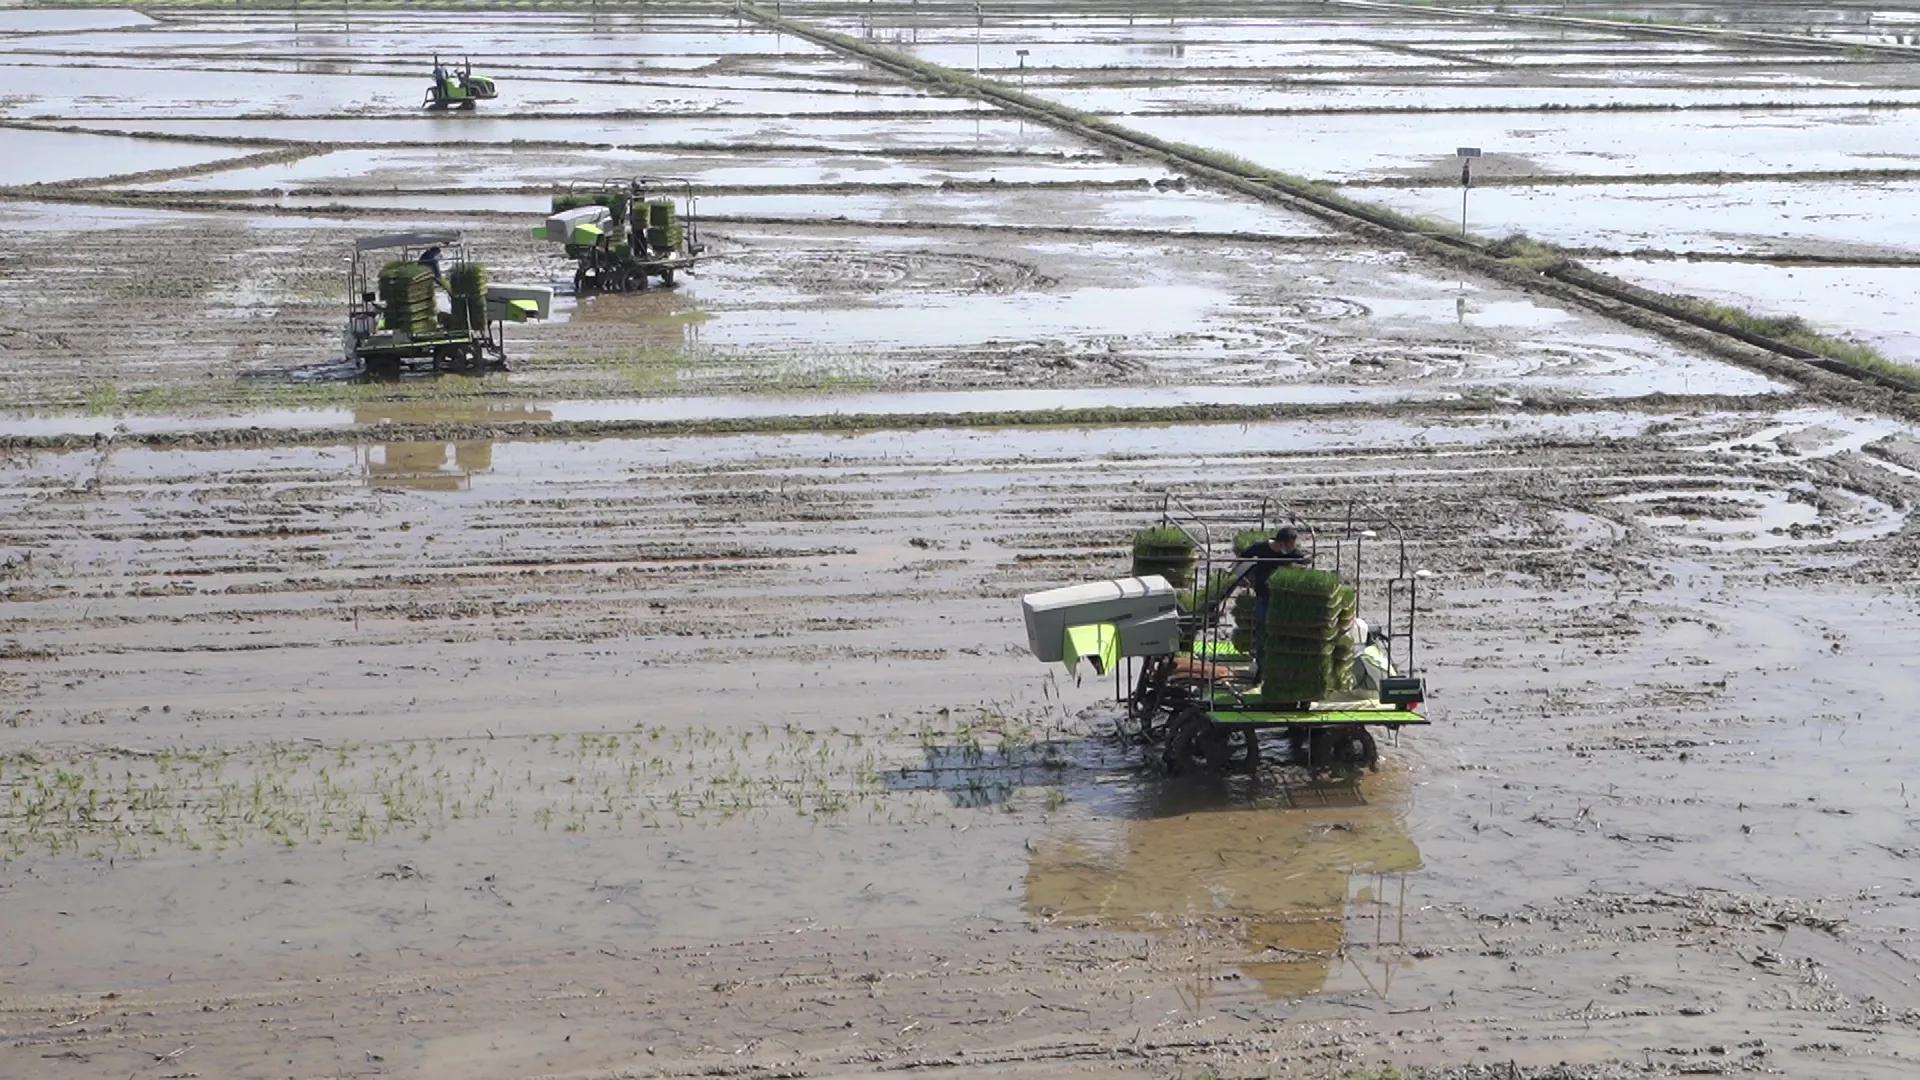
1000	58
1734	141
1173	213
47	157
984	132
52	92
52	21
1170	211
349	39
1873	304
423	167
1756	217
1232	97
1098	28
706	407
1303	878
79	217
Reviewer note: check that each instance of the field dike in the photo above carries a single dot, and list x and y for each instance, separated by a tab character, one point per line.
1539	267
849	423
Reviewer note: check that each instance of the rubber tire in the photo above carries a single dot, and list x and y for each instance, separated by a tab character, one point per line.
1182	730
1357	750
1320	743
1216	745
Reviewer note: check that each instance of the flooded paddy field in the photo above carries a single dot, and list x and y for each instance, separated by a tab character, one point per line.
1835	219
658	754
1873	303
236	312
659	706
1381	96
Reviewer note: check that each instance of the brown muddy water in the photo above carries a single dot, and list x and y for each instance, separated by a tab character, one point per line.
401	730
742	724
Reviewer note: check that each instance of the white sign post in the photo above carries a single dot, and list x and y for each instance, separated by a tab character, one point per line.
1466	154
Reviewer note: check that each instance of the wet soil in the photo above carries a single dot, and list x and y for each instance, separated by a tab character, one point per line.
229	314
667	754
659	707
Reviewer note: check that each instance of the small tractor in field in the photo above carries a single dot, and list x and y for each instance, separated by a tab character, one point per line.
623	233
1186	680
457	88
394	317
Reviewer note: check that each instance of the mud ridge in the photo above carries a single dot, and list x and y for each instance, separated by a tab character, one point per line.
859	422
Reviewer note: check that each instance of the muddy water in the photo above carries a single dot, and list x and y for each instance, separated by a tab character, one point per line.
792	307
1003	57
1735	141
920	797
1286	868
425	166
987	133
1230	97
481	43
705	755
1303	25
54	21
41	92
1869	303
698	407
46	157
1804	217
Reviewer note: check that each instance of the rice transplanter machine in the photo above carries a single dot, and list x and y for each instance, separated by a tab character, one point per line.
417	300
623	234
1182	669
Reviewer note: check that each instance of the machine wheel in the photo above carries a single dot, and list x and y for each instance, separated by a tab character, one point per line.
1216	747
1354	750
666	277
1319	749
1195	739
1342	750
1183	735
1148	702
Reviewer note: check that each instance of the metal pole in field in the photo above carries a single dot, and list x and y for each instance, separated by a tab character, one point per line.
979	22
1466	155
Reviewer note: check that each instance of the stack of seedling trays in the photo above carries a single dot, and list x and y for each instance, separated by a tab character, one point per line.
1165	551
1309	651
468	286
663	227
1169	552
406	293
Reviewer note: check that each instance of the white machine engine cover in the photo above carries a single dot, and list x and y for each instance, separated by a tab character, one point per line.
1144	610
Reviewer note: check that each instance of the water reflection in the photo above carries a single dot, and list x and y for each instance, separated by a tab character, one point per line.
430	465
655	318
1304	876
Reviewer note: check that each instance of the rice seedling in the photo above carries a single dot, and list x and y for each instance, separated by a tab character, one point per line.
1164	551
